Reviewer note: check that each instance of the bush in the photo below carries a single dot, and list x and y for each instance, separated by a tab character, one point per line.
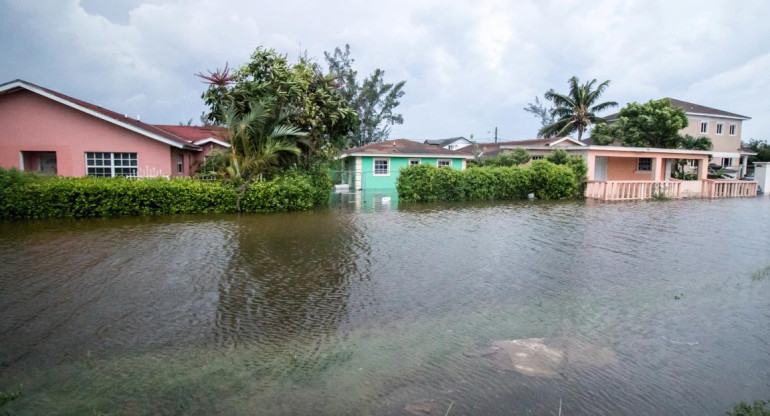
745	409
34	196
423	183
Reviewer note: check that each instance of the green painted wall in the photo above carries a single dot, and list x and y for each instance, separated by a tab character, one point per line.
371	182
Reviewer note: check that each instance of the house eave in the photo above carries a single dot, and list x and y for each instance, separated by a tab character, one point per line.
23	85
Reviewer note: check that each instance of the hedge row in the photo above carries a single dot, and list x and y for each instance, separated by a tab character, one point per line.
34	196
545	179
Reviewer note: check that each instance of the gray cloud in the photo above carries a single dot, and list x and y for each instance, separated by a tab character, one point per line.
469	65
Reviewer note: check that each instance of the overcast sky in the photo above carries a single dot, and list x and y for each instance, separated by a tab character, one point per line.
469	65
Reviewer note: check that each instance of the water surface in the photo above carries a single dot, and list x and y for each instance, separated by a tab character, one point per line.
364	309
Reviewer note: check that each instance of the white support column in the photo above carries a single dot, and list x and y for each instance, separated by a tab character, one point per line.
744	165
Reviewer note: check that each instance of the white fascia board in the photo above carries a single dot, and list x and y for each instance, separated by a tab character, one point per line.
98	115
716	116
414	155
211	140
566	138
728	155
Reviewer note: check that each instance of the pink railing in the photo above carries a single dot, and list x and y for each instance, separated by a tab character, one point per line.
721	188
632	190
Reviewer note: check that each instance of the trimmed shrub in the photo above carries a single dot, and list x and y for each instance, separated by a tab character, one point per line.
24	195
544	179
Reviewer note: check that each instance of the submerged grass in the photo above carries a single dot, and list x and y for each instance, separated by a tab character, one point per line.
761	274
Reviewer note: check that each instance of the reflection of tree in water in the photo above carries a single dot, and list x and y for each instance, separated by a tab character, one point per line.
289	279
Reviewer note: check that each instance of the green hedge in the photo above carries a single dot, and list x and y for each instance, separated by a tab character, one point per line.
25	195
429	183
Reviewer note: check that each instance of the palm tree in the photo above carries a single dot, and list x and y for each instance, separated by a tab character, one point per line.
259	141
690	143
576	110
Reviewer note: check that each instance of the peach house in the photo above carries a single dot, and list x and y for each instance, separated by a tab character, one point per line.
631	173
46	131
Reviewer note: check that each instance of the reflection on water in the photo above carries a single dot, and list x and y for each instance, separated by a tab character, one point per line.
373	308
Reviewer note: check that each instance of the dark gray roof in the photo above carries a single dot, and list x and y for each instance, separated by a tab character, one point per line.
444	142
692	108
401	147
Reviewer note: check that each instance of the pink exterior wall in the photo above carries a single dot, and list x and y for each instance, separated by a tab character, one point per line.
624	169
621	164
30	122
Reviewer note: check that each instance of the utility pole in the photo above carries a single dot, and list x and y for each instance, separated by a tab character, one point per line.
495	134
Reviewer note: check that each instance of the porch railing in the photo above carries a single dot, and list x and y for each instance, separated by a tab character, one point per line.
632	190
720	188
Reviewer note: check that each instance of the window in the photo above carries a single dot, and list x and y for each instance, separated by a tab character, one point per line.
726	162
381	167
719	128
732	129
444	163
413	162
537	157
704	126
179	163
111	164
452	147
644	164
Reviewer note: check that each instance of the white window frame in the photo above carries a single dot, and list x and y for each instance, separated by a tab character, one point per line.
720	129
374	166
727	162
448	161
702	123
733	129
639	164
112	166
415	159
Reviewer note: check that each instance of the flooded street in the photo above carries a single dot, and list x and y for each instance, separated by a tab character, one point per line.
637	308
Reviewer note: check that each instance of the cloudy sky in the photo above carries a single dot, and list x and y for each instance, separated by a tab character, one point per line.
470	65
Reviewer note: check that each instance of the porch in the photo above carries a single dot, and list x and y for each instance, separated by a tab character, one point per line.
628	174
670	189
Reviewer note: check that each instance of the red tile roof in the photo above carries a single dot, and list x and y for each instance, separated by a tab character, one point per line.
195	133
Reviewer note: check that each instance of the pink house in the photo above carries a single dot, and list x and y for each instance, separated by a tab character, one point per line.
46	131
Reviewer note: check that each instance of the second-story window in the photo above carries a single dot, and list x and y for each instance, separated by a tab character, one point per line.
732	129
704	127
720	126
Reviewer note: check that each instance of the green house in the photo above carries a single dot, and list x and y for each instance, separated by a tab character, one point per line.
376	166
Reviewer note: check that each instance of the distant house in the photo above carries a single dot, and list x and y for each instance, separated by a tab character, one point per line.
47	131
722	127
537	148
376	166
453	143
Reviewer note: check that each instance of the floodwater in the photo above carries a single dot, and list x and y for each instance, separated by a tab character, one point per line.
390	310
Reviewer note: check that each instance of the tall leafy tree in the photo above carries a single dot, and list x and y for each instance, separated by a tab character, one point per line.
373	99
301	90
655	123
576	110
761	147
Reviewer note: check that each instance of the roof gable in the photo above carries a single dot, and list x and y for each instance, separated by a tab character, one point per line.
446	142
109	116
691	109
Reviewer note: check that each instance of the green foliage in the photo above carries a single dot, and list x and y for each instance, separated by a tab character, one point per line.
745	409
423	183
577	109
518	156
9	396
302	90
655	123
373	100
761	147
27	196
558	157
579	167
604	134
551	181
695	143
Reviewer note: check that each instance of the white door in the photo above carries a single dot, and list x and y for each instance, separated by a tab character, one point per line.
600	170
